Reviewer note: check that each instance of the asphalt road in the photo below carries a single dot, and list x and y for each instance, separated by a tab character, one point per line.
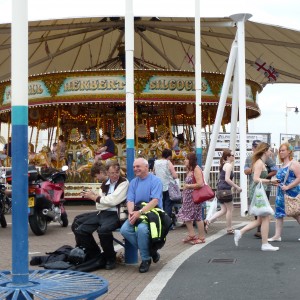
223	271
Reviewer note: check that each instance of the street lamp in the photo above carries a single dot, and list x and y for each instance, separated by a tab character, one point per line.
296	111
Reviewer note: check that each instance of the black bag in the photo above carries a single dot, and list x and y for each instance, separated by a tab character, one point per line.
224	195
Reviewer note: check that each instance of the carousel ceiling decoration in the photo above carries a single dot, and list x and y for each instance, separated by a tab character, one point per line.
160	43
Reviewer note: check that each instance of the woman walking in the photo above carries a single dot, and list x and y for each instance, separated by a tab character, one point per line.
259	174
165	171
225	185
291	170
189	211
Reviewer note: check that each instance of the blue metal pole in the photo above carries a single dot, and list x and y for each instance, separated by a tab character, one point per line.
20	273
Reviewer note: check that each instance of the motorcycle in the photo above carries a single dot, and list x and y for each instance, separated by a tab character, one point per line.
3	197
45	199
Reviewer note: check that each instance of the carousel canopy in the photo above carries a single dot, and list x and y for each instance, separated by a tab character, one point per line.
272	53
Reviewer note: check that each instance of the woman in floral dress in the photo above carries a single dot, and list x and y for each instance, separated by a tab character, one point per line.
291	186
190	211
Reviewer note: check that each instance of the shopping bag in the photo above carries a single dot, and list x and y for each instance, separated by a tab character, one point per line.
292	205
213	207
174	192
260	205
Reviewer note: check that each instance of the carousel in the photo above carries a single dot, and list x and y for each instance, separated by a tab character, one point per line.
82	103
80	106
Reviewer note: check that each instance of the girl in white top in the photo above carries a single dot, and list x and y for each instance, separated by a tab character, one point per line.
165	171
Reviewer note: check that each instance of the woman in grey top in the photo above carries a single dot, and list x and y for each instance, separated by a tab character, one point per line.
165	171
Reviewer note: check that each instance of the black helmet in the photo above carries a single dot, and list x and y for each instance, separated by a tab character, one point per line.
77	256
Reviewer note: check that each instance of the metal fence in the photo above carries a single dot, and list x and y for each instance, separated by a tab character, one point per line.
213	179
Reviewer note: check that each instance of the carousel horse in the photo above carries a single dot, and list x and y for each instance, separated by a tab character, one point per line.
85	158
41	159
159	145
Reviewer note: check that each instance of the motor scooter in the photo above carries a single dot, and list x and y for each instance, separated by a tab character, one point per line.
45	199
3	197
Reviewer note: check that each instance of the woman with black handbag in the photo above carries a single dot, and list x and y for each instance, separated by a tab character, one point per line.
224	191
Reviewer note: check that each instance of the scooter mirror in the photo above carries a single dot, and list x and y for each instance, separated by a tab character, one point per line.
64	168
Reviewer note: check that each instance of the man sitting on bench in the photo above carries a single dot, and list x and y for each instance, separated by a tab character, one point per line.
145	187
105	220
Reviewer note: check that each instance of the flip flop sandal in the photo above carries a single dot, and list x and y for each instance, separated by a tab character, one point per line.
189	239
206	225
230	231
197	241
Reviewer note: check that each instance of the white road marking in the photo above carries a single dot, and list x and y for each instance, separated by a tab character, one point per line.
154	288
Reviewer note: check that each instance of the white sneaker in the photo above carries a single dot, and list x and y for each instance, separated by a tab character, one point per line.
274	240
237	236
268	247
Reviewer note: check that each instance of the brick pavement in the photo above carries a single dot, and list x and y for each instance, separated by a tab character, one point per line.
125	282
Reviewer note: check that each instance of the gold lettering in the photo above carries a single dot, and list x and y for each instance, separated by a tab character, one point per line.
180	85
85	85
172	85
94	84
152	85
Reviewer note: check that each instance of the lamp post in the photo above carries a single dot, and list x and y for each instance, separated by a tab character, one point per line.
296	111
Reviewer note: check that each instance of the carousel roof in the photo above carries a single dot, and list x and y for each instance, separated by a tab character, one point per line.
272	52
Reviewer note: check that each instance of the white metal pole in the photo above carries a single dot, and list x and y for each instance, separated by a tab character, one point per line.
129	55
219	116
234	109
198	82
240	19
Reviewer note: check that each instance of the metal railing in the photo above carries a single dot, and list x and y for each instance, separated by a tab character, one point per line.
213	179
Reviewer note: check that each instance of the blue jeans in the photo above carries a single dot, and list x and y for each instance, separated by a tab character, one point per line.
138	237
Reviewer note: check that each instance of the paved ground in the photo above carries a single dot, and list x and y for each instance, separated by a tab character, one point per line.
195	278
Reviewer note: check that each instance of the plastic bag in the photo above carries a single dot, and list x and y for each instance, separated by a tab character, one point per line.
213	207
260	205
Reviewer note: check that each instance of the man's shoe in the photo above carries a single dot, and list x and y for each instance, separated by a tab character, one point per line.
110	265
145	265
268	247
156	257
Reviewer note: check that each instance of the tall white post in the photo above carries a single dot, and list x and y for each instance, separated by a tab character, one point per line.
234	109
129	55
219	116
198	82
241	19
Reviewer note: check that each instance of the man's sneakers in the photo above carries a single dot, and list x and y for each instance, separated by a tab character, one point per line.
144	266
268	247
237	236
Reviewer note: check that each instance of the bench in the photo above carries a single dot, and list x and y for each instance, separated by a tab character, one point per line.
130	252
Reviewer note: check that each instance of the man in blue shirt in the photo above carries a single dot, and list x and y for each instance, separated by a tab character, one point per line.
145	187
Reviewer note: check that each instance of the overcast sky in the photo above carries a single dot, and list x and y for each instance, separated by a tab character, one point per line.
274	98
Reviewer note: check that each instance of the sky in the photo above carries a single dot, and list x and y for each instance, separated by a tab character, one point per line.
275	118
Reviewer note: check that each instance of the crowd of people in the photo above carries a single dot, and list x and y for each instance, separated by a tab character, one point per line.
149	191
147	198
